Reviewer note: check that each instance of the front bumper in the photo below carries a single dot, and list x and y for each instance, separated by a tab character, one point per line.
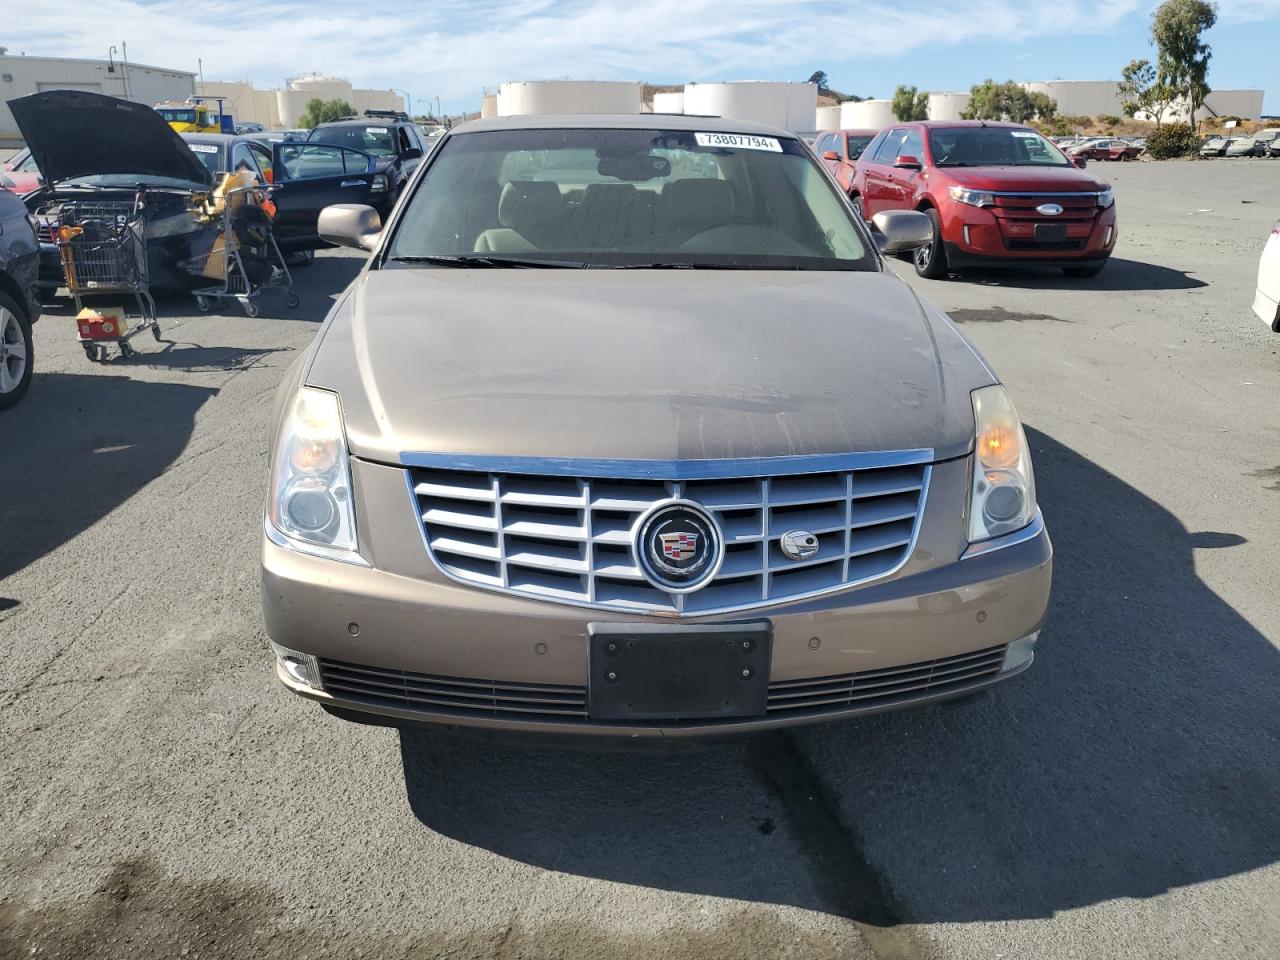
401	641
974	236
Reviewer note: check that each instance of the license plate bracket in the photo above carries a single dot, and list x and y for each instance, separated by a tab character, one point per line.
1051	232
661	672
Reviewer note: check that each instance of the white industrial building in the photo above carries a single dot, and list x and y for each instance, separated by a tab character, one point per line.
791	106
568	96
1245	104
1080	98
23	76
669	102
281	109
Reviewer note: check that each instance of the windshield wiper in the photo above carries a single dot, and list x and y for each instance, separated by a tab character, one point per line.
485	260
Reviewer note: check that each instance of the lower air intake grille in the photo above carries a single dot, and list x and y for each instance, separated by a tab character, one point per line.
873	688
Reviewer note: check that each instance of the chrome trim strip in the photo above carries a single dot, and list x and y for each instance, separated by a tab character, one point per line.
680	614
311	549
1043	193
1029	532
669	469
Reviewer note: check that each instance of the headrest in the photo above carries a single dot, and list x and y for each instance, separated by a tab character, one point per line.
526	202
697	200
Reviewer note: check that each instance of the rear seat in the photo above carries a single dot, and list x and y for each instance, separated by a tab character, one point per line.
613	216
533	216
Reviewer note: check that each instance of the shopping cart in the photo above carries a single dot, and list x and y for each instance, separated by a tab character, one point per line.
244	255
103	251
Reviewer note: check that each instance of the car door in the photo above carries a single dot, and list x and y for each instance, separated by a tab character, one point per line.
876	185
843	166
309	177
901	183
825	144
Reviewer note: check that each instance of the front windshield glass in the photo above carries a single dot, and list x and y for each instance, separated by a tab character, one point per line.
620	198
178	116
993	147
209	154
371	139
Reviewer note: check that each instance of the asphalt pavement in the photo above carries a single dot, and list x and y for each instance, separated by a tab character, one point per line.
163	797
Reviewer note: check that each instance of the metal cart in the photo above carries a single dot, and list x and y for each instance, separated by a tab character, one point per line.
247	252
104	253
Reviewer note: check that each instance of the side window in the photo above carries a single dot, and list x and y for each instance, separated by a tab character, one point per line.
402	136
263	156
823	144
870	151
912	145
242	159
887	152
837	144
414	139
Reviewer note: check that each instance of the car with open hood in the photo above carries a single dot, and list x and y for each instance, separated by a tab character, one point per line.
93	147
999	195
628	428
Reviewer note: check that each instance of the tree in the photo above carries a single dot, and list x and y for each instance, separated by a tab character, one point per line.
322	111
1008	101
1176	27
1142	92
910	105
819	78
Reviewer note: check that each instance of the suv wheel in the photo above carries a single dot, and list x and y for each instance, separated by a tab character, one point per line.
931	259
15	353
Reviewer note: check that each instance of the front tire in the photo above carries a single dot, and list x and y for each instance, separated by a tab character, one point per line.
931	259
15	353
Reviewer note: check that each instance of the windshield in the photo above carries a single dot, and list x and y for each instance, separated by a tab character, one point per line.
209	154
993	147
178	116
618	198
373	139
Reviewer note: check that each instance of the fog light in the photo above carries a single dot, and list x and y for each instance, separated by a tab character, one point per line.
1020	652
302	668
309	505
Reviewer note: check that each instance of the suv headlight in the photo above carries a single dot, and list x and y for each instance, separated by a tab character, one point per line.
1106	198
1003	497
975	198
309	502
379	183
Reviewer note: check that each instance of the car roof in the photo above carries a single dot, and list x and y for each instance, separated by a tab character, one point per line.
362	122
946	124
620	121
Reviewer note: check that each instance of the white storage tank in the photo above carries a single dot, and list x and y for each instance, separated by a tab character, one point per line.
791	106
489	105
866	114
947	106
828	118
568	96
669	102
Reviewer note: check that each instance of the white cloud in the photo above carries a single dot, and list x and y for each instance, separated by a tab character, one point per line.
453	48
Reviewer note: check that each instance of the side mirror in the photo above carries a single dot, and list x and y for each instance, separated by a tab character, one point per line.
1080	161
413	153
906	162
830	155
350	225
901	230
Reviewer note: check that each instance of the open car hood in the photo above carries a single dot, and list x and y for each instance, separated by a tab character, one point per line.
73	133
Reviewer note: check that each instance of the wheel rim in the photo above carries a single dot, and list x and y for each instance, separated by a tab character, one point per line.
13	352
923	254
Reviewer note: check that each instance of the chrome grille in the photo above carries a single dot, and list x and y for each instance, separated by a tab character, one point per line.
871	688
571	538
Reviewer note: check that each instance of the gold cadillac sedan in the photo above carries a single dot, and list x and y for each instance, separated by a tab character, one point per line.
627	429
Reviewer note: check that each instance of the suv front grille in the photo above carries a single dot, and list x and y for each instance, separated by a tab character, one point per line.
571	539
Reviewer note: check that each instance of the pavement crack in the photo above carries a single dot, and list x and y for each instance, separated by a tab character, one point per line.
849	883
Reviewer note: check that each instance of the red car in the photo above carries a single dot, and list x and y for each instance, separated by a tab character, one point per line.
840	150
998	194
20	174
1105	150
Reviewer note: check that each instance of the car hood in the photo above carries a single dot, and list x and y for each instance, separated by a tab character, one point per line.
638	364
73	133
1038	180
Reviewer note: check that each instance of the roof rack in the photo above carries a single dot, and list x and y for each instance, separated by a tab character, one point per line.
389	114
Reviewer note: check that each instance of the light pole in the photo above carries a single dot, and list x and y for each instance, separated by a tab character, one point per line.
407	99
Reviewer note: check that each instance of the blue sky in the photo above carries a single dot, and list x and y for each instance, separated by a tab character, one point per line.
453	49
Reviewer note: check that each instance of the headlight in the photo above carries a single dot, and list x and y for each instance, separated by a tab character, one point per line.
1004	488
309	502
975	198
1105	198
379	183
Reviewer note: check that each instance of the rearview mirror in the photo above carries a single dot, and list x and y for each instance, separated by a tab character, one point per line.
906	162
900	230
350	225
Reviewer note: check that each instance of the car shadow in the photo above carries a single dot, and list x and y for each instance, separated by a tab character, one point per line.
77	447
1140	754
1118	275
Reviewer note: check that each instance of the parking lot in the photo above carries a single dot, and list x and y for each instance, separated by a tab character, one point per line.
164	797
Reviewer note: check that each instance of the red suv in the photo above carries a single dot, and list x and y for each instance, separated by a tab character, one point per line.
997	193
840	150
